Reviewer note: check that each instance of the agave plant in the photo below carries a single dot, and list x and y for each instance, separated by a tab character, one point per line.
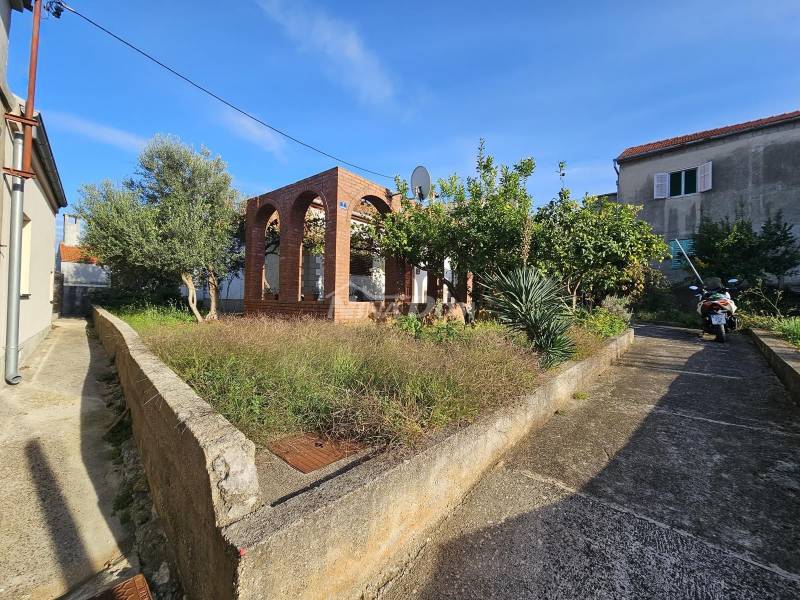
527	301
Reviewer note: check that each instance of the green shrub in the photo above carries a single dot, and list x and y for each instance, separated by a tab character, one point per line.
439	331
617	306
410	324
602	322
527	301
118	297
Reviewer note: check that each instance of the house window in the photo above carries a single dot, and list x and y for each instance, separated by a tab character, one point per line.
678	260
682	183
25	267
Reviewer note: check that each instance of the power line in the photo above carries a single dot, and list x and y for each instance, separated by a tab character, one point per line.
56	6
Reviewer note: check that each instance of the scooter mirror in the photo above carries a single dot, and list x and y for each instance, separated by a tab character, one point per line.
694	288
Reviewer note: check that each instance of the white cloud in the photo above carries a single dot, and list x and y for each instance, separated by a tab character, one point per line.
124	140
349	60
257	134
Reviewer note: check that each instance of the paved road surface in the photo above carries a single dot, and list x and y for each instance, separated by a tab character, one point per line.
56	527
677	477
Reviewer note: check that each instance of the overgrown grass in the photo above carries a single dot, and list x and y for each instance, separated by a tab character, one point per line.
147	317
367	382
379	384
786	327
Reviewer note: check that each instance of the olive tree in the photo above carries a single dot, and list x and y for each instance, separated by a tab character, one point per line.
182	211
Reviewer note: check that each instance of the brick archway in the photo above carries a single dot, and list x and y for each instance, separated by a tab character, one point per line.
340	193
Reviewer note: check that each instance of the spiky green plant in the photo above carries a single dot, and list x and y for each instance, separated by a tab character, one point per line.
527	301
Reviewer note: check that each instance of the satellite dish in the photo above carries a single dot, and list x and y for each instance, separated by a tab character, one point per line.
421	183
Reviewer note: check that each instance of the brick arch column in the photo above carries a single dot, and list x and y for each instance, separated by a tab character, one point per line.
396	270
258	214
290	264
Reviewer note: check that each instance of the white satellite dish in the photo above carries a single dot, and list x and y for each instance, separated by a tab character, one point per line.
421	183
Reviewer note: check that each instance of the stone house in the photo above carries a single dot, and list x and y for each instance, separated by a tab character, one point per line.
44	196
750	168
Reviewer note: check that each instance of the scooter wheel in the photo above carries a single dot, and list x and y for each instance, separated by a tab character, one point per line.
719	332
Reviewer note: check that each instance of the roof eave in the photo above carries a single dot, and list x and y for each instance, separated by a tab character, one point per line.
621	159
21	5
49	162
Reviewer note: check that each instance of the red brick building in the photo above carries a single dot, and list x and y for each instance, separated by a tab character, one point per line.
343	197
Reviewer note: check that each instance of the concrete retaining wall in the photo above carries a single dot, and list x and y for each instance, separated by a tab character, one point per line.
200	468
349	536
344	538
783	357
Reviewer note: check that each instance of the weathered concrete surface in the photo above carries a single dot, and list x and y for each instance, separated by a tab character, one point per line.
200	468
678	477
58	485
783	357
348	536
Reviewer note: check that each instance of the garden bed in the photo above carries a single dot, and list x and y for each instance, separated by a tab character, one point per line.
338	532
378	384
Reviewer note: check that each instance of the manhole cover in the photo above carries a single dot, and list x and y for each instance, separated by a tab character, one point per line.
134	588
308	452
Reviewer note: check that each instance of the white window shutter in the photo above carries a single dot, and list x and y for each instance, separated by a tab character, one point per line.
704	177
661	185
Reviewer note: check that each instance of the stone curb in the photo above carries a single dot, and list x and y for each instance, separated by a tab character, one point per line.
782	356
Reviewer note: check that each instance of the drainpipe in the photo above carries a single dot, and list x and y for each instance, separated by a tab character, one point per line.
21	169
14	266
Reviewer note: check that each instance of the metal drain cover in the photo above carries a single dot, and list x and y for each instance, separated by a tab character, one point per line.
134	588
308	452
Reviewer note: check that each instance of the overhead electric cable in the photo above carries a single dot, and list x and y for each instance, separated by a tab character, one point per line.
59	4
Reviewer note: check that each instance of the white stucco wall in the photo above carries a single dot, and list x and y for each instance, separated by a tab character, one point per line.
36	307
85	274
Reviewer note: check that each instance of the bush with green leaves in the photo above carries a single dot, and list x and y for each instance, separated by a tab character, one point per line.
603	322
527	301
617	306
439	331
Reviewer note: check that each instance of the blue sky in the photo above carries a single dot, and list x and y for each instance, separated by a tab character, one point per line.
391	85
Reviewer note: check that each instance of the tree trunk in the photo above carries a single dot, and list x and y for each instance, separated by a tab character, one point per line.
191	295
213	295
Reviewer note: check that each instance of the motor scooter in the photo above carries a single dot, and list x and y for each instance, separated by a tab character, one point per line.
716	307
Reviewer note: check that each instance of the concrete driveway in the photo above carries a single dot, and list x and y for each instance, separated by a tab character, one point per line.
678	476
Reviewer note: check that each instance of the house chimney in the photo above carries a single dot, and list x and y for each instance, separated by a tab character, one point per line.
72	230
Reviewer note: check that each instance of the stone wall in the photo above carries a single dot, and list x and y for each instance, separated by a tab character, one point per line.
200	468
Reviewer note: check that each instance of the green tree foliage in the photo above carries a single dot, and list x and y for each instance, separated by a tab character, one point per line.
594	246
729	249
526	300
477	223
176	216
779	248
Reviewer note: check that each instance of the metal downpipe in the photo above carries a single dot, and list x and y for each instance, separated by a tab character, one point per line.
14	267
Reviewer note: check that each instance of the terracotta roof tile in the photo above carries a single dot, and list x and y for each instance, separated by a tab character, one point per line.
75	254
703	135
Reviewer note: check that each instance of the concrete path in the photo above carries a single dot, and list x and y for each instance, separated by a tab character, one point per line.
678	476
57	483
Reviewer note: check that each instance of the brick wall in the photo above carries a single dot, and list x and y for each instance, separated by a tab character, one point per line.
341	193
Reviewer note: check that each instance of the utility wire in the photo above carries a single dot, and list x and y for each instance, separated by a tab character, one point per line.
58	4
